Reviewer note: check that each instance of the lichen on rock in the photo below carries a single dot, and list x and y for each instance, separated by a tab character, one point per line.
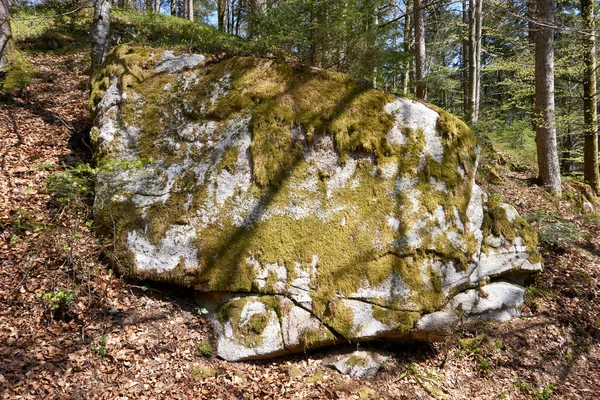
318	210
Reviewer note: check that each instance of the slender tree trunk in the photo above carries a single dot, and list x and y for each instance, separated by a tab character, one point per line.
238	18
100	32
465	58
590	110
544	99
376	22
157	6
475	17
6	42
407	48
174	7
420	49
190	10
478	37
222	14
531	28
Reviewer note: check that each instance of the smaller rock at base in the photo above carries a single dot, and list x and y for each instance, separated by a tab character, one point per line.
588	208
359	364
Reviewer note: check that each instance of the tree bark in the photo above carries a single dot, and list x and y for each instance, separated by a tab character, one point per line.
190	8
420	50
100	32
544	99
6	42
407	48
157	6
376	23
222	14
531	28
465	58
474	82
590	109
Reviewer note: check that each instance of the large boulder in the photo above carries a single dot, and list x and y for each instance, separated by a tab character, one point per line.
305	209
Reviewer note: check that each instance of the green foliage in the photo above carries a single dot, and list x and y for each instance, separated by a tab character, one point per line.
58	300
553	231
44	28
165	31
482	349
23	220
516	138
204	349
72	186
100	347
412	369
529	390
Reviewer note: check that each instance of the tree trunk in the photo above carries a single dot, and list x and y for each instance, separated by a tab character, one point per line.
238	18
475	16
376	23
6	42
465	59
531	28
157	6
174	7
190	10
590	110
100	32
221	14
544	99
478	36
420	49
407	48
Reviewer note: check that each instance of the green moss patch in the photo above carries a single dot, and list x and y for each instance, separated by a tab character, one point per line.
250	331
16	73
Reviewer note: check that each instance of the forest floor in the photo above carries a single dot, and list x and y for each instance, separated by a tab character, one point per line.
69	328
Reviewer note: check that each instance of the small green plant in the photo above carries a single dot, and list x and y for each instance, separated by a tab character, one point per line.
59	300
481	348
204	349
485	365
24	220
100	347
412	369
71	186
529	390
552	231
428	381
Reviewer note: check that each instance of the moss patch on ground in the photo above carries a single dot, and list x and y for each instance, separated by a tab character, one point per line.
16	73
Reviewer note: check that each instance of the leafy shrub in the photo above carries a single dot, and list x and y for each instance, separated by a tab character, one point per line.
59	300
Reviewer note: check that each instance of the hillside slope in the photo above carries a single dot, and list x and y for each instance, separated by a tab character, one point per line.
69	327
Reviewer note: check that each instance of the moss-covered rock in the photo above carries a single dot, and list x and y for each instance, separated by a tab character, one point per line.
329	211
